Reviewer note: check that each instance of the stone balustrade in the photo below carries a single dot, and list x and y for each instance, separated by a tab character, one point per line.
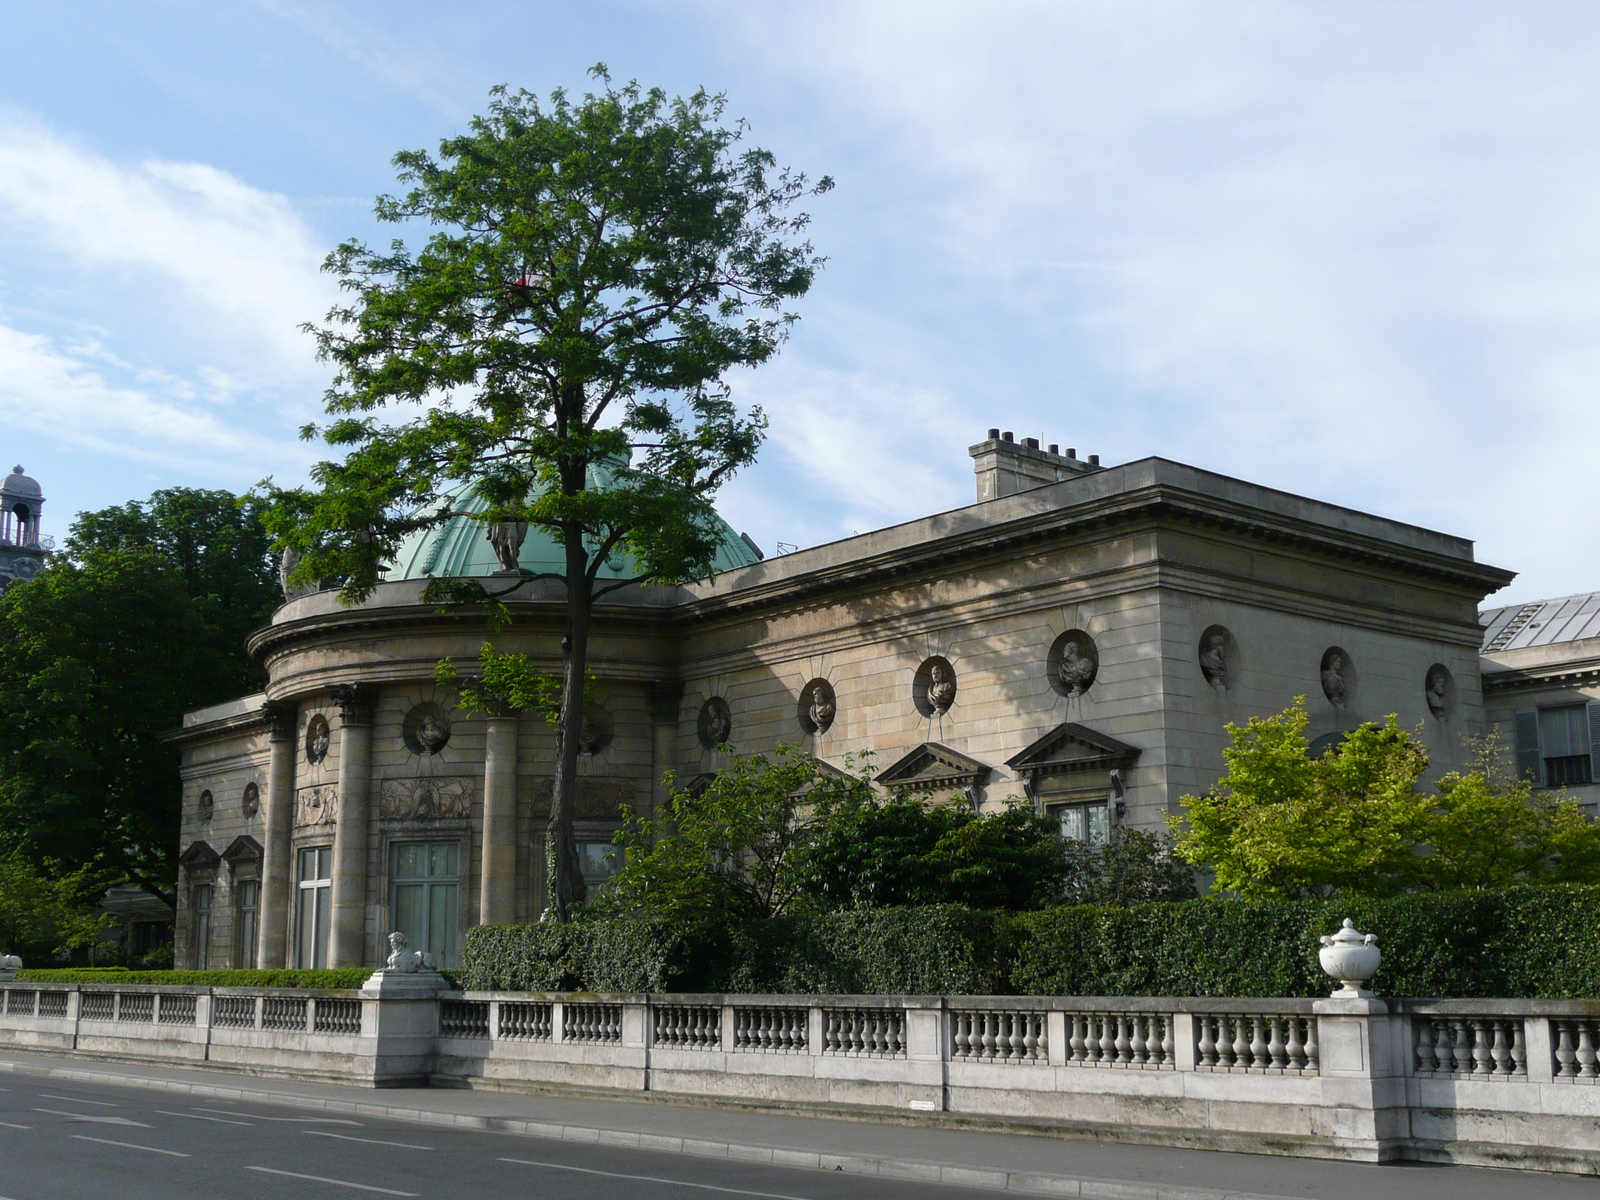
1485	1081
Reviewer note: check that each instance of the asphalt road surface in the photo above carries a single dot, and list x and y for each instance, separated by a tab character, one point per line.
95	1142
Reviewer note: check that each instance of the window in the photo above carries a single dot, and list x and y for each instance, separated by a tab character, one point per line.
314	904
427	897
599	861
246	902
1564	745
1083	822
200	901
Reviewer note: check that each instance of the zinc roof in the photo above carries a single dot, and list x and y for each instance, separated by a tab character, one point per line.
1541	622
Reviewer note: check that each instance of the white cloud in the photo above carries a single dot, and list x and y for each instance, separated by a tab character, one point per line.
151	310
1343	249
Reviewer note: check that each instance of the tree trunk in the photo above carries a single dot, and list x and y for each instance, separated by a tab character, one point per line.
567	887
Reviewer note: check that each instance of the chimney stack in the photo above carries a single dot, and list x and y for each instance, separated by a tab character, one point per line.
1005	466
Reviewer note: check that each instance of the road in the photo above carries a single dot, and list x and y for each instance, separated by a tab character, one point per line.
96	1142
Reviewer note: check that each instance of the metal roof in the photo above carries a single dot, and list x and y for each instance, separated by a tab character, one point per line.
1541	622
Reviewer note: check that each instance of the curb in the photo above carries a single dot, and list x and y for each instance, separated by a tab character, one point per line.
991	1179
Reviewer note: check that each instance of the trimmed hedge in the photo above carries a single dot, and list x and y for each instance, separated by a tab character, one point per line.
340	978
1535	942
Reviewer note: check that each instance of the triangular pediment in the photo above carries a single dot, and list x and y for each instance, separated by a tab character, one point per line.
243	848
931	766
199	854
1072	747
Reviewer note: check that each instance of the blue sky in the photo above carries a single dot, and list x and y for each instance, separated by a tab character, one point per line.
1347	250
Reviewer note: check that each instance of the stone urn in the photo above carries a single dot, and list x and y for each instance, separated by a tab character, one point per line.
1351	957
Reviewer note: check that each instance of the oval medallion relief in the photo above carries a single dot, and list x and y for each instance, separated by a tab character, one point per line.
1074	663
933	687
251	802
715	726
426	729
818	707
318	739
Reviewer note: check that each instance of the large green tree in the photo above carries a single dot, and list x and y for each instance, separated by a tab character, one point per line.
217	543
596	269
143	616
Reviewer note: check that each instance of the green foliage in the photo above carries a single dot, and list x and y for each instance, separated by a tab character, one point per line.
43	913
737	849
217	542
334	978
508	683
1353	821
610	956
592	272
1537	942
98	659
1132	866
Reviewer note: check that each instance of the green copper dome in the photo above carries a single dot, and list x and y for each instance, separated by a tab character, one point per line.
460	546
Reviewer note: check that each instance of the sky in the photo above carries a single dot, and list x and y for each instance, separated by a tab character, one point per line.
1350	251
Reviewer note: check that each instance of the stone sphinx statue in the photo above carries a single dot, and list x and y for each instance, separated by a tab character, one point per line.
402	959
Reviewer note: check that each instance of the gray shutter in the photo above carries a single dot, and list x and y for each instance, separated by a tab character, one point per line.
1594	740
1530	762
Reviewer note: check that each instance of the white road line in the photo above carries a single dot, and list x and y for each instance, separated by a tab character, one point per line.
9	1125
130	1146
705	1187
56	1112
365	1187
75	1100
369	1141
297	1120
198	1117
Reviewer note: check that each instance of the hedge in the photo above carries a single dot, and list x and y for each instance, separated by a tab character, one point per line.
340	978
1536	942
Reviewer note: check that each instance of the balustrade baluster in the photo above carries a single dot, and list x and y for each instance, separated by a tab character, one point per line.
1501	1049
1482	1056
1277	1056
1586	1055
1258	1044
1564	1051
1426	1059
1136	1040
1295	1050
1208	1040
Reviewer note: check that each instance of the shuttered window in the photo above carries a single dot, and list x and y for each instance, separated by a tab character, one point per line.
1564	744
1530	762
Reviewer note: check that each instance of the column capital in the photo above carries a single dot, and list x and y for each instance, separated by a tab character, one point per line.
356	702
282	714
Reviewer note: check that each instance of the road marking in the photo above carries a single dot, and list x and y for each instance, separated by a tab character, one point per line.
298	1120
75	1100
705	1187
198	1117
365	1187
369	1141
56	1112
9	1125
130	1146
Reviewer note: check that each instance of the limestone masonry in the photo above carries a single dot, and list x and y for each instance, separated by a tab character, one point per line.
1075	641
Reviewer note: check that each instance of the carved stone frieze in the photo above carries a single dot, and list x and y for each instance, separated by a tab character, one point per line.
317	805
425	799
598	799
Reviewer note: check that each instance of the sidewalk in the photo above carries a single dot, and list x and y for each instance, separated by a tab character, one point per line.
1035	1165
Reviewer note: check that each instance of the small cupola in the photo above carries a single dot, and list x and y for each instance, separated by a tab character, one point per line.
21	502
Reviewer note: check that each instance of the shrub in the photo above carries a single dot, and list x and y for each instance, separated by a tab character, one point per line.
344	977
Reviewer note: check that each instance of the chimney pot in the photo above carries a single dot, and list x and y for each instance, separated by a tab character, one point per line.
993	433
1055	448
1071	453
1006	436
1094	460
1031	443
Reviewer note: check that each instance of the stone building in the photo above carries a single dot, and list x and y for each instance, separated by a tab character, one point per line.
1075	641
22	546
1541	690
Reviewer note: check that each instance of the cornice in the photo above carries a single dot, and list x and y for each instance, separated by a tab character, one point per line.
255	719
1514	680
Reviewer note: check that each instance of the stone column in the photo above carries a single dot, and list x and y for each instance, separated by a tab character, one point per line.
277	871
497	897
665	697
347	940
